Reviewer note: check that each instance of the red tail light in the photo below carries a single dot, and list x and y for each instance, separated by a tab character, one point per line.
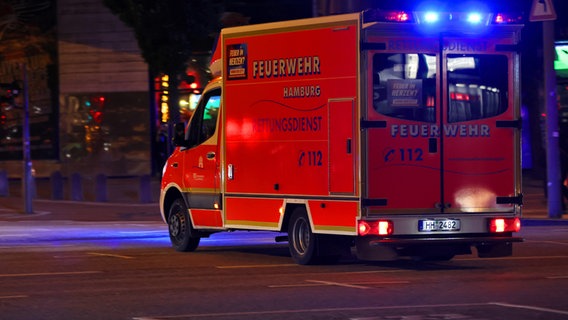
499	225
377	228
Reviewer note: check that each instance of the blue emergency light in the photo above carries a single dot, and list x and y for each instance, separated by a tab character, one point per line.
474	18
443	18
431	17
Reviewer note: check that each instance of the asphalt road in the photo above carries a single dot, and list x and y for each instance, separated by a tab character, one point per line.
127	270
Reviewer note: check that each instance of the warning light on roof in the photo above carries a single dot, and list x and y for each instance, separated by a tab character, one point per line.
499	18
474	18
431	17
389	16
398	16
446	20
507	18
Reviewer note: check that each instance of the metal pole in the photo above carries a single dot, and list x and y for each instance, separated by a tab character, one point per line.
27	176
554	181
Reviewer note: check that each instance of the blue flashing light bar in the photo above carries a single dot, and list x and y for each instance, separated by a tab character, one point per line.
433	17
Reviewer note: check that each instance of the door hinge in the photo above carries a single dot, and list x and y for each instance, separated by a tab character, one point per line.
373	46
508	48
517	124
373	124
373	202
510	200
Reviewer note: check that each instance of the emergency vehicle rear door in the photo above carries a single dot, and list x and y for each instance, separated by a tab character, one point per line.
439	127
480	125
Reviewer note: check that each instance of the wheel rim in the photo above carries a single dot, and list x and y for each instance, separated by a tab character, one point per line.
176	226
302	236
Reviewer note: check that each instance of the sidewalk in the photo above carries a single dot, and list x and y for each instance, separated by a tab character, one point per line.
535	204
124	204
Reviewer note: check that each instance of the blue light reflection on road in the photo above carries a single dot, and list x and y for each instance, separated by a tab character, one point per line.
65	234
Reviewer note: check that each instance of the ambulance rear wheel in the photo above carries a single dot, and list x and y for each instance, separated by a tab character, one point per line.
182	234
301	240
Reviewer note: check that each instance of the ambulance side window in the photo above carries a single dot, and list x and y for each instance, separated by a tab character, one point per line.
477	86
404	85
204	120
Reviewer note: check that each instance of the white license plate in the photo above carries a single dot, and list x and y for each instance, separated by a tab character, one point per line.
432	225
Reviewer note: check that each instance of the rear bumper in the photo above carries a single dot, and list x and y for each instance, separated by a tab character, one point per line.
473	241
447	246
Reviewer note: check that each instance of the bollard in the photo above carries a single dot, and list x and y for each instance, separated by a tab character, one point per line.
76	187
145	194
56	186
4	184
101	188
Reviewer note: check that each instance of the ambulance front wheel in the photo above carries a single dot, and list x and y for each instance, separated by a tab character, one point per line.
182	234
301	239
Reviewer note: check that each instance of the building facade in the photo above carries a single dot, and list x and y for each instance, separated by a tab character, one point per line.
88	90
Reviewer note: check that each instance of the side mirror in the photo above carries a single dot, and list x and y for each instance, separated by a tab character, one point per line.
179	135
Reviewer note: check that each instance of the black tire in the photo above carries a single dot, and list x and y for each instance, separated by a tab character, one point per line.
301	240
182	235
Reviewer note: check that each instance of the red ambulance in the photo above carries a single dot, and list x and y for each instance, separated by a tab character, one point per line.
396	134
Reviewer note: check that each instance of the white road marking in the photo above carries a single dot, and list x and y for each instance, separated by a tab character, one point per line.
288	311
338	284
13	297
257	266
548	242
15	213
295	285
109	255
46	274
514	258
557	277
508	305
315	283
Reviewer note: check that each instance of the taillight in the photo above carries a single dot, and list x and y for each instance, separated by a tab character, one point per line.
377	228
498	225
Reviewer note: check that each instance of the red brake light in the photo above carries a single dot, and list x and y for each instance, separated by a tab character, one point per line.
377	228
364	228
499	225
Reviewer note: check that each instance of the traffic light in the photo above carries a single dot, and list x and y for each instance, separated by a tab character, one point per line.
8	92
95	106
